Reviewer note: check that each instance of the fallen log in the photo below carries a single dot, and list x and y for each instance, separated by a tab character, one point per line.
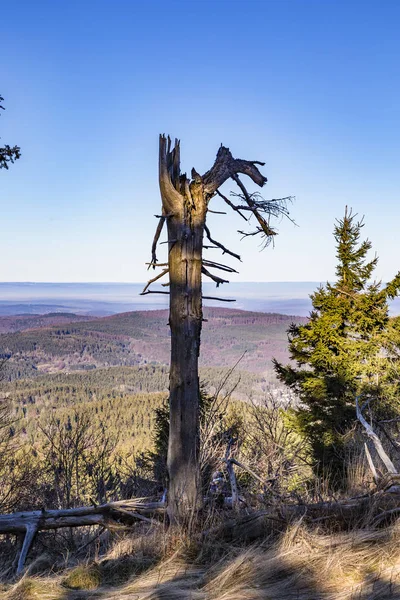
372	510
112	514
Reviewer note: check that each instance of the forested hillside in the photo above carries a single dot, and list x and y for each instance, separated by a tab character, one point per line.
122	398
115	368
53	343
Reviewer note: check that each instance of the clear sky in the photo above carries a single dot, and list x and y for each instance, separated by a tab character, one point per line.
311	87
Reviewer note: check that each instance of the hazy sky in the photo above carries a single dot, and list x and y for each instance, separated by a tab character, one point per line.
311	87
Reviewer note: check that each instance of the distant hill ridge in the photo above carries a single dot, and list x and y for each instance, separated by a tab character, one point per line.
66	342
33	321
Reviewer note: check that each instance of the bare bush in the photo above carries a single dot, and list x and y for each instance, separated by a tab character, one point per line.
78	458
274	450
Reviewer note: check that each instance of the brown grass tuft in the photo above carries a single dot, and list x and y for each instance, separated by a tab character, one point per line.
83	577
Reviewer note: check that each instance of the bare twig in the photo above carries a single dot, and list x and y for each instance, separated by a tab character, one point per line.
154	292
92	539
260	207
246	468
224	250
214	265
154	265
219	299
164	272
229	203
155	242
263	223
204	297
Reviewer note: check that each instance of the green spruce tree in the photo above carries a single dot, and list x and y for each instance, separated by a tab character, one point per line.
346	348
8	154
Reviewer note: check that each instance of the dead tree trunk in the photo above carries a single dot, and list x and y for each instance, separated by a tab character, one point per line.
185	235
184	208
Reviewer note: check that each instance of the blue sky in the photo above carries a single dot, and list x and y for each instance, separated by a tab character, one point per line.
311	87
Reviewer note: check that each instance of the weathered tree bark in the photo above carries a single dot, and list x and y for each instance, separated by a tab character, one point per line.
185	204
185	264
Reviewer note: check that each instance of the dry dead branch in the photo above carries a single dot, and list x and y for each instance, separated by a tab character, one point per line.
375	439
164	272
219	245
218	280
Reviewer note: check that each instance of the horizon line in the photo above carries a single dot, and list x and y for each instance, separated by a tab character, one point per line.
144	282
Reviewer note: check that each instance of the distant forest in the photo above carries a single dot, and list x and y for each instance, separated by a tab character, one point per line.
115	368
45	344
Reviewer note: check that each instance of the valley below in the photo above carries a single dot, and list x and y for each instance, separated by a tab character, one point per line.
116	367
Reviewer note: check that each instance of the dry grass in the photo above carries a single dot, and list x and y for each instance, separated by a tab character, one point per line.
300	564
34	589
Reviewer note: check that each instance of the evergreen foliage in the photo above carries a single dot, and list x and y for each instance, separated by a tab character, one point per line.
346	348
8	154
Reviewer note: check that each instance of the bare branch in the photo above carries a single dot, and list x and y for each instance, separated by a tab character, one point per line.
245	234
168	216
159	265
269	232
229	203
203	297
154	279
375	439
154	292
218	280
219	299
262	209
155	242
246	468
214	265
216	212
370	463
224	250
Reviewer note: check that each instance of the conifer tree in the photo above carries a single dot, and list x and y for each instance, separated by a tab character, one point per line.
346	348
8	154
